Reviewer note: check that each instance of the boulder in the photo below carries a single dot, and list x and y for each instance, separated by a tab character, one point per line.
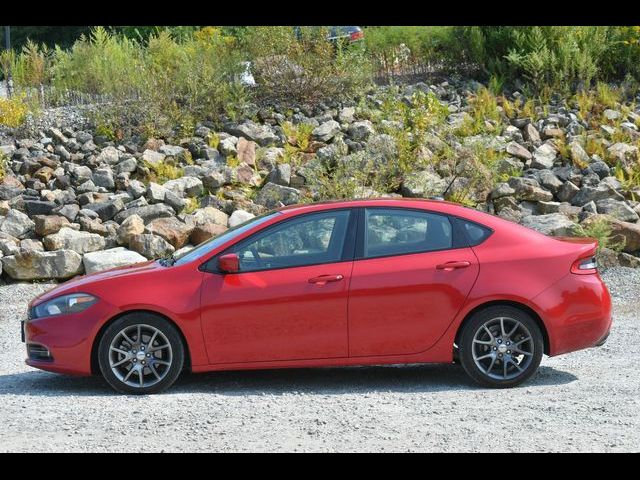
326	131
423	184
78	241
48	224
544	156
133	225
210	216
554	224
518	151
37	265
172	230
617	209
238	217
273	195
150	246
147	212
263	135
202	233
246	151
17	224
152	157
189	186
111	258
529	189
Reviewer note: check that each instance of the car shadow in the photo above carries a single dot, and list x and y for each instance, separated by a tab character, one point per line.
325	381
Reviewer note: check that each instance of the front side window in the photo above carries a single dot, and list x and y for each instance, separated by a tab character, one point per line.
311	239
398	232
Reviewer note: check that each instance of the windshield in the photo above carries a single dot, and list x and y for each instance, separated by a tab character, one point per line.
215	242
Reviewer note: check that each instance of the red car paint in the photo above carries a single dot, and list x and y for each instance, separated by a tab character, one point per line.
395	309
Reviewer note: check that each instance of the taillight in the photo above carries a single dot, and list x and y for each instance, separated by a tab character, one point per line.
584	266
356	35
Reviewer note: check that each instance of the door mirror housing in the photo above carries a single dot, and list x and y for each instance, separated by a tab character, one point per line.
229	263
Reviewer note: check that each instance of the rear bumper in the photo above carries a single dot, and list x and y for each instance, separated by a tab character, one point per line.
576	312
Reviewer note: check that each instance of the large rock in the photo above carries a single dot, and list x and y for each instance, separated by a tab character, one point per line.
617	209
210	216
17	224
326	131
361	131
172	230
518	151
544	156
202	233
146	212
592	194
112	258
48	224
108	155
152	157
238	217
261	134
246	151
624	153
423	184
189	186
151	246
133	225
36	265
273	196
529	189
554	224
78	241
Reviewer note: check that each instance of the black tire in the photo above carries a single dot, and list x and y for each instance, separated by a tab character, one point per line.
168	334
487	377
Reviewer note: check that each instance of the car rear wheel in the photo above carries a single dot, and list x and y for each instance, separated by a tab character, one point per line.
140	354
501	346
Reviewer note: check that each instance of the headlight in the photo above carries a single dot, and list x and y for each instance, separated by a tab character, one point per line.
74	303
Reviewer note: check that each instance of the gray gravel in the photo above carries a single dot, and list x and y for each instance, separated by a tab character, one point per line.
585	401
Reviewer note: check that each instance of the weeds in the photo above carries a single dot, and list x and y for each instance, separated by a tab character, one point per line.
601	230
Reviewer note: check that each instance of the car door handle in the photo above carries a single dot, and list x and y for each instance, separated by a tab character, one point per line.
448	266
323	279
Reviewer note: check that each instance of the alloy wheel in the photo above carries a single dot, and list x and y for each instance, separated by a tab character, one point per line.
503	348
140	355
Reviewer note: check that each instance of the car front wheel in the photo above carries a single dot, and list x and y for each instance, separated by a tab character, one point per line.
501	346
140	354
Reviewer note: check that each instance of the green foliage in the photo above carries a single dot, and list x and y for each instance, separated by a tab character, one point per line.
299	135
601	230
13	111
483	114
163	171
304	68
192	205
4	165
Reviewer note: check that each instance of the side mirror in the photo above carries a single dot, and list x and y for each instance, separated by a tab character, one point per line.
229	263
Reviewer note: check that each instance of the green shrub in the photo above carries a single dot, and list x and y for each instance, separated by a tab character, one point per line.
304	68
13	111
601	230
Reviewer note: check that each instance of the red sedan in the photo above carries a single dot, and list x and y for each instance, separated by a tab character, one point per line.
343	283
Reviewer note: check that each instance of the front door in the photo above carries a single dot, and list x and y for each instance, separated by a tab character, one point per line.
289	300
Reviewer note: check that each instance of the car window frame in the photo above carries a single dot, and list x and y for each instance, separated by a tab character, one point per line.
348	245
458	238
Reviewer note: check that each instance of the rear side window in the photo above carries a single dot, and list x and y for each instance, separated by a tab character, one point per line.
398	232
476	233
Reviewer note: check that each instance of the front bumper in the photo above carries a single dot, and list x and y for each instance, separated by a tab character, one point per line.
67	338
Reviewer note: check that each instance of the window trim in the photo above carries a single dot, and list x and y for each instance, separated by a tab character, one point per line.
348	246
460	220
458	239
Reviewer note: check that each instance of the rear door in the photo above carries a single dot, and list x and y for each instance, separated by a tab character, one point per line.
411	275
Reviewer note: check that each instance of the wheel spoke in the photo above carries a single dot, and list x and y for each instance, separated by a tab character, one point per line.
123	352
161	347
155	372
126	337
124	360
516	364
488	355
139	339
493	362
522	352
482	342
141	376
153	337
128	374
162	362
513	330
519	342
502	326
504	367
488	331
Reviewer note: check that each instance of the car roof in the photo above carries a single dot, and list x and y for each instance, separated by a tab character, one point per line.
421	203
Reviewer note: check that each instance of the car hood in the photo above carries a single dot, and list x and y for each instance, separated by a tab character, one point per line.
83	282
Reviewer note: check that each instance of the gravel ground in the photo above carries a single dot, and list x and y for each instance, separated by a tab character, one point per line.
585	401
